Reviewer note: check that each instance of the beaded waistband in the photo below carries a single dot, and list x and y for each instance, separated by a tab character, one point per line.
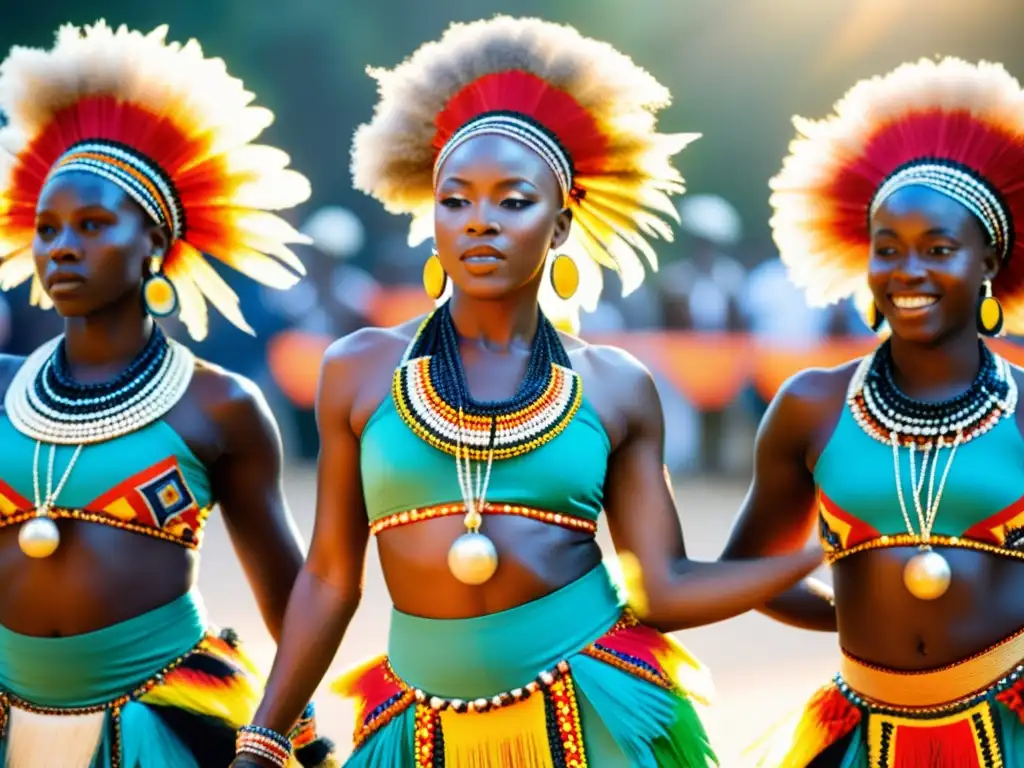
188	538
833	555
458	508
935	690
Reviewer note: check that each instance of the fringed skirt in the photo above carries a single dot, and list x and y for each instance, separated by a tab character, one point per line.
967	715
570	679
157	691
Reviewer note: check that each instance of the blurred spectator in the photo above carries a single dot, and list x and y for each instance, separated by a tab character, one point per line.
701	291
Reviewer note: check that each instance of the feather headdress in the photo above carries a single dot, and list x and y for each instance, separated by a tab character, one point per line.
953	126
585	108
170	127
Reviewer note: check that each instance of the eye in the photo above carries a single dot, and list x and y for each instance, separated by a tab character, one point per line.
45	230
941	250
453	202
91	225
516	203
885	250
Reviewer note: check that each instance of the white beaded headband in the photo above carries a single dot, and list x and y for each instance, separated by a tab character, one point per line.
960	185
520	129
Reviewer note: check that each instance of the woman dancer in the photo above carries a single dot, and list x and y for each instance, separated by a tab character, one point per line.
483	462
909	461
129	159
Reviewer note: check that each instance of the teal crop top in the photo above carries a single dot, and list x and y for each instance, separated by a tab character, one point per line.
982	503
148	482
405	479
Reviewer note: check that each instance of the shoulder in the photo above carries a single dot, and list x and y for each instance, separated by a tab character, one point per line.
813	386
619	386
357	355
806	409
9	365
229	399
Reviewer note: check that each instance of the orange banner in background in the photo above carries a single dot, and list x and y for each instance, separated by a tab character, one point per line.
710	370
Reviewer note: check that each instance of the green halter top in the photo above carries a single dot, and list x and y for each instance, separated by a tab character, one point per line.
982	502
561	482
147	481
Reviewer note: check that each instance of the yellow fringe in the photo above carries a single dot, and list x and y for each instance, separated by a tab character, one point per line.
515	735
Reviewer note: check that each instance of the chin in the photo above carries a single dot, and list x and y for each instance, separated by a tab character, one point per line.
924	334
485	289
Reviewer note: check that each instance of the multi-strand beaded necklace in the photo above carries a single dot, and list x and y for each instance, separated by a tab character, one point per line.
892	418
432	397
45	403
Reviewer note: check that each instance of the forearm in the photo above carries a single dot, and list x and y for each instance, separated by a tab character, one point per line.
317	617
704	593
808	605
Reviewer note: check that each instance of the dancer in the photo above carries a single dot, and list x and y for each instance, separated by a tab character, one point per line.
909	461
129	158
483	462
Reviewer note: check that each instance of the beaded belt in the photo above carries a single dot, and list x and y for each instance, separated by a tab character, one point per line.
458	508
937	690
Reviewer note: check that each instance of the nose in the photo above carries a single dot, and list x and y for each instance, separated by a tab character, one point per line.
481	223
64	248
911	269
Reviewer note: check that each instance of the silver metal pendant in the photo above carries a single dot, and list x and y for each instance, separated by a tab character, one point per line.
472	558
39	537
927	574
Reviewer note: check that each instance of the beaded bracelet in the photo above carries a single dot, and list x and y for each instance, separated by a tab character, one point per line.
303	733
265	743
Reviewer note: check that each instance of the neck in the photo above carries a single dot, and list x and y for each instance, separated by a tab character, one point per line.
496	323
101	345
936	371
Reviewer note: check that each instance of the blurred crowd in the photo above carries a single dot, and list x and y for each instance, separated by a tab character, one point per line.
710	281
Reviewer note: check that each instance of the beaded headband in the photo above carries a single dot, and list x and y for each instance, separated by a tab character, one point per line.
135	174
519	128
963	186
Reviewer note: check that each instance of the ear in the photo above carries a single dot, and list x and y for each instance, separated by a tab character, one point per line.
159	242
563	225
990	263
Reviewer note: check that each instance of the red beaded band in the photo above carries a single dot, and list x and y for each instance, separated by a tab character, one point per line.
458	508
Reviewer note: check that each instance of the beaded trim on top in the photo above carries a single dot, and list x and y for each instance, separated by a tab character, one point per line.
46	404
880	409
429	391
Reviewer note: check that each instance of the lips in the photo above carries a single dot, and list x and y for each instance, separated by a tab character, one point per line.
910	302
63	280
483	254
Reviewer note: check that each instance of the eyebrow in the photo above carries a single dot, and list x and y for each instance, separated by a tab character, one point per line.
504	183
933	232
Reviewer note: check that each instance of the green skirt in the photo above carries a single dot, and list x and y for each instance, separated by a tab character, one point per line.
570	679
160	690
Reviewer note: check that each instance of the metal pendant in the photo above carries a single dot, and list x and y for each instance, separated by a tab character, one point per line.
927	574
39	537
473	558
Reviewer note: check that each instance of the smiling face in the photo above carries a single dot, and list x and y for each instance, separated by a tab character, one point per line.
92	243
498	210
929	258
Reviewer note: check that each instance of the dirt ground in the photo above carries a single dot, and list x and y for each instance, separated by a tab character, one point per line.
762	670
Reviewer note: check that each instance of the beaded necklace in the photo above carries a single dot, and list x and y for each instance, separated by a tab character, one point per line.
45	403
889	416
432	397
430	392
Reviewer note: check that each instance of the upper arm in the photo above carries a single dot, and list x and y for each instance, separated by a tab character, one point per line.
641	512
247	477
779	512
338	550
